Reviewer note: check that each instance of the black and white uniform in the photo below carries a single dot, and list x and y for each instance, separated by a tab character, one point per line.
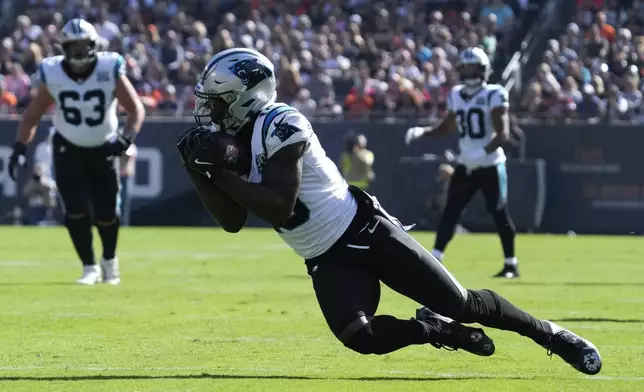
85	118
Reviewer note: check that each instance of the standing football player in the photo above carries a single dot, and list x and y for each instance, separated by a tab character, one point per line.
479	111
350	244
84	85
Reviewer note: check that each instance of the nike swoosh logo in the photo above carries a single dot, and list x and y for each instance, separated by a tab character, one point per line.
198	162
371	230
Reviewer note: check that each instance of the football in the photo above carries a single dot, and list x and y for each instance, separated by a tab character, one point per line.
230	153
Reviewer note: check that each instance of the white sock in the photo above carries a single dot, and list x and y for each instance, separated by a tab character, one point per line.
511	261
438	254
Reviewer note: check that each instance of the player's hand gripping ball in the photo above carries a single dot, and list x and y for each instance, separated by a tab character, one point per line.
206	152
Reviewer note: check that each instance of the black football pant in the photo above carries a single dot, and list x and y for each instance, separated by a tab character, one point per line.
374	249
493	182
88	183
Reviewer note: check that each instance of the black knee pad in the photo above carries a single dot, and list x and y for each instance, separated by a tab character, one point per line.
362	341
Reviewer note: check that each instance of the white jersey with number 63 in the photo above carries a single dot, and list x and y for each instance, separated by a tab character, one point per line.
324	207
85	112
474	122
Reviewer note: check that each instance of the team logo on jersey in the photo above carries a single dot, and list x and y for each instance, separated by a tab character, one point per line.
480	101
260	160
284	130
103	76
250	72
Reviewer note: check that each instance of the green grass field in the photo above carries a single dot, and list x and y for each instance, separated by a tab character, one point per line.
201	310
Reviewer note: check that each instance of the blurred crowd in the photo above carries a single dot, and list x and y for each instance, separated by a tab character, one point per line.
332	57
594	70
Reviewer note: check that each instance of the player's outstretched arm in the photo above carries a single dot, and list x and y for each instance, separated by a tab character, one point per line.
230	215
274	199
127	96
444	127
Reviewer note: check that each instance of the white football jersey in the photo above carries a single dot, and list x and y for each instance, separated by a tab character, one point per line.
324	207
474	122
85	112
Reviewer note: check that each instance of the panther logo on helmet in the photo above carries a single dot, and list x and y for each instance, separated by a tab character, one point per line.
251	72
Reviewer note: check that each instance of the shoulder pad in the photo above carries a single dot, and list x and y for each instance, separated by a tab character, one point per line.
283	125
113	60
497	95
46	66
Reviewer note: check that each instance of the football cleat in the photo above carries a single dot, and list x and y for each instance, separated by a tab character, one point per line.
91	275
508	272
577	351
454	336
111	273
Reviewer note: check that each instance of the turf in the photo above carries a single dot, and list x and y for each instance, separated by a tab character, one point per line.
201	310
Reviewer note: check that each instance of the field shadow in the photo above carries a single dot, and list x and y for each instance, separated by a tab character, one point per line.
590	284
246	377
597	320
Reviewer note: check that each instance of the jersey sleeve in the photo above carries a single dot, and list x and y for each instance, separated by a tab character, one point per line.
119	66
499	98
282	127
42	74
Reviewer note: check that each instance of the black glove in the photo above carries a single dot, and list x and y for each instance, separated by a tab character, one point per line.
195	153
17	159
117	147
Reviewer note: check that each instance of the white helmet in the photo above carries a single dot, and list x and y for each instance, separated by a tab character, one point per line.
234	86
473	67
78	43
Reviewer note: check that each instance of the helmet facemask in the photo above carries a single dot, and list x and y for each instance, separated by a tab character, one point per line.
213	111
473	76
79	54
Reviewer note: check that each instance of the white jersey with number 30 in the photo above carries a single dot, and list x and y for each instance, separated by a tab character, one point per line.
85	111
474	122
324	207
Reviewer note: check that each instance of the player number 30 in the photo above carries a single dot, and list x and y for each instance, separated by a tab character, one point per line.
471	123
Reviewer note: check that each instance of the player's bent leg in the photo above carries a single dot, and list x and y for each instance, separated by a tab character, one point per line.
348	295
408	268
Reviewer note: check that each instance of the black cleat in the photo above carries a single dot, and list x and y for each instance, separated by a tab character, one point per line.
454	336
508	272
577	351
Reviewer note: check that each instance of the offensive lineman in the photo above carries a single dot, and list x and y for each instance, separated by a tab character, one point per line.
349	243
85	85
479	111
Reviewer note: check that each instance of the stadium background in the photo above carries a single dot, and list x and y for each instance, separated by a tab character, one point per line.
377	68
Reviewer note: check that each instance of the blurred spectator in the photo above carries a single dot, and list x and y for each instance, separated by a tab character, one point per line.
304	103
8	100
590	108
